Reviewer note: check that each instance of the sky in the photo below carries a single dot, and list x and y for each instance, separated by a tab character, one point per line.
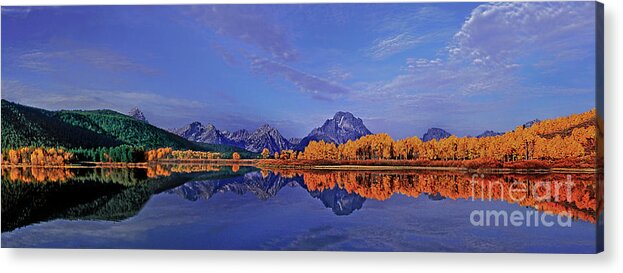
401	68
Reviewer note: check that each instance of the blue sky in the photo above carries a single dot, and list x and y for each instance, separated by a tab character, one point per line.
402	68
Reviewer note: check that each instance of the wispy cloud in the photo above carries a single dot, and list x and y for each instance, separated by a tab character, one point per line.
55	60
318	87
247	24
416	63
435	76
164	109
228	56
338	73
254	26
399	32
393	44
397	43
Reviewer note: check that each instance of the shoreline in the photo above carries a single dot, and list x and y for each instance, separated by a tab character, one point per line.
143	165
316	167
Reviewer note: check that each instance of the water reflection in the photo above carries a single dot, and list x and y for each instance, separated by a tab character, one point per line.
32	195
265	185
577	195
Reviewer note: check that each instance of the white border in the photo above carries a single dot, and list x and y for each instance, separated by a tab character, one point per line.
45	260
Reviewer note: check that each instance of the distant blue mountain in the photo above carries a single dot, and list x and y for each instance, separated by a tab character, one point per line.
489	133
435	133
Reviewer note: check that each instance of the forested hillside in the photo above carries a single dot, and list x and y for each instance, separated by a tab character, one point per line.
125	129
24	126
29	126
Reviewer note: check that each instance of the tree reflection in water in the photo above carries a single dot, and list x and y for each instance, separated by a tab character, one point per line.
31	195
583	199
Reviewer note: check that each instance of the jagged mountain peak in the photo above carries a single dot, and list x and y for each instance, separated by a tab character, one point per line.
196	124
344	126
263	137
265	128
342	114
136	113
198	132
267	137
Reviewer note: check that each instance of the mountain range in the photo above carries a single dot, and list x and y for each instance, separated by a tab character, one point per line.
263	137
342	127
438	133
30	126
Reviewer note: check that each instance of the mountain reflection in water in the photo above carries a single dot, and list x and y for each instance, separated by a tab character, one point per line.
35	195
266	185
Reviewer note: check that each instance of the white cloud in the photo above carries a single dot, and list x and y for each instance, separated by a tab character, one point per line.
502	33
415	63
489	49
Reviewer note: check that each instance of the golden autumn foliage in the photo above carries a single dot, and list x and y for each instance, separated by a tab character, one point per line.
108	173
160	170
567	137
575	195
161	154
157	171
37	174
187	168
39	156
319	150
158	154
288	154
